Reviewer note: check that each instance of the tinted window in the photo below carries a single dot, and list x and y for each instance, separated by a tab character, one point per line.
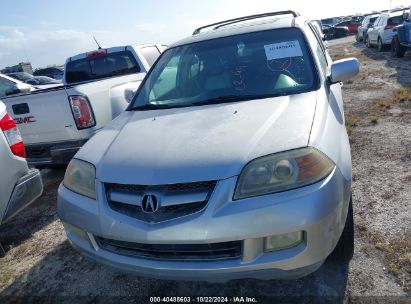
372	20
252	65
395	20
320	50
377	21
150	53
101	66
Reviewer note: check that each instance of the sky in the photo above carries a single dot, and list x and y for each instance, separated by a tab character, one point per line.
46	32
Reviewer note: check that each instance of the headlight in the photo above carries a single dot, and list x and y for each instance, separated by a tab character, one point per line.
282	171
80	177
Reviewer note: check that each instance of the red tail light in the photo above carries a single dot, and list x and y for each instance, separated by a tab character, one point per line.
83	115
13	136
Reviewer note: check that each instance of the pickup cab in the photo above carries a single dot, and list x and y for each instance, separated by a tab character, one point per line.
402	37
97	86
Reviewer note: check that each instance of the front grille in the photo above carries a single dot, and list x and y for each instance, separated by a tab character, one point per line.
169	187
187	191
161	215
179	252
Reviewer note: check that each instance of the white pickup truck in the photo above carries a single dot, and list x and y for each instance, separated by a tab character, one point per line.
98	86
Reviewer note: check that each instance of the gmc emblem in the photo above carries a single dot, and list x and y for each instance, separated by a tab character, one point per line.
27	119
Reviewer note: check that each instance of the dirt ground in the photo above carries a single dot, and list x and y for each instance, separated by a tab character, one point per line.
41	265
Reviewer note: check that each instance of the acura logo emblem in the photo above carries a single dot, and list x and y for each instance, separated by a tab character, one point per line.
149	204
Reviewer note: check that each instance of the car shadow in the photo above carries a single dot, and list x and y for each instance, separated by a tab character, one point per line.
63	276
38	215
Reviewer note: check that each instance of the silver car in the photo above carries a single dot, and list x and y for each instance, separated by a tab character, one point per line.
383	30
19	185
232	160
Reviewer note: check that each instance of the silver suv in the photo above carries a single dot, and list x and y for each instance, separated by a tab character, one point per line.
232	160
382	31
19	185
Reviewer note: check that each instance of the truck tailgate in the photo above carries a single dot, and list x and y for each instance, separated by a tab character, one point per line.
43	116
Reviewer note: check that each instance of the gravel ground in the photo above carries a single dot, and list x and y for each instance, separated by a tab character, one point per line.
41	265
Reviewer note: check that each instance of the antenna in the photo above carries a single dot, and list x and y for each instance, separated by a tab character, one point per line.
99	47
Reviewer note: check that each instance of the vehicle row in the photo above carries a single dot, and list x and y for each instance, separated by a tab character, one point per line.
387	31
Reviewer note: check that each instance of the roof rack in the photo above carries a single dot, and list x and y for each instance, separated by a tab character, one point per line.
240	19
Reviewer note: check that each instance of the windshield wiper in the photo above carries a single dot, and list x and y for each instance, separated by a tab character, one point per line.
231	98
150	106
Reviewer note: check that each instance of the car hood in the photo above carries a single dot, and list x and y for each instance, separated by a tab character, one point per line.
211	142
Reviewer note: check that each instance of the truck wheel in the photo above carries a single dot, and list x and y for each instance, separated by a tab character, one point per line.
397	50
344	250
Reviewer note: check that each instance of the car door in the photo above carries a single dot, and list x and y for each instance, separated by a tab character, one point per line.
381	27
373	30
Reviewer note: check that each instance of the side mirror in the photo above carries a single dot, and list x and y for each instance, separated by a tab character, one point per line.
129	94
344	69
406	16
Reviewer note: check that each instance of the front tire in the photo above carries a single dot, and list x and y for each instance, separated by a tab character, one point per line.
397	50
368	43
380	45
344	250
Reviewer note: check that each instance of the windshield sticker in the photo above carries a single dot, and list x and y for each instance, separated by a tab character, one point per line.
283	50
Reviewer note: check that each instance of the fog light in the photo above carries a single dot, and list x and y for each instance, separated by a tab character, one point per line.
77	231
283	241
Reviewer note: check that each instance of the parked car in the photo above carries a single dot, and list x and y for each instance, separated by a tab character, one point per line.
401	40
352	25
19	185
333	32
44	82
39	82
330	21
98	86
382	31
22	76
56	72
10	86
365	25
232	160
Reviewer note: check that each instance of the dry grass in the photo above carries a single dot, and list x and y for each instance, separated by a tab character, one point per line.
397	253
401	95
338	56
398	258
374	120
351	122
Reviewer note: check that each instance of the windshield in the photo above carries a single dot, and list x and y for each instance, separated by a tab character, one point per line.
246	66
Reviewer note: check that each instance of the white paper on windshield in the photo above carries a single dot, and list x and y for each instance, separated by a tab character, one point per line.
283	50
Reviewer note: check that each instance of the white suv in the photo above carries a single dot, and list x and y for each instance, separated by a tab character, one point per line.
19	185
382	31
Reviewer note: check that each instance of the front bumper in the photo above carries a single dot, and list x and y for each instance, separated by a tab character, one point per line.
319	210
56	153
26	190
